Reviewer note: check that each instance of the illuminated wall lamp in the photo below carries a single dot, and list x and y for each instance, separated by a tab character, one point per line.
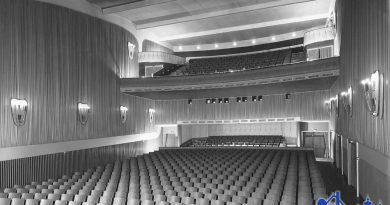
346	98
83	111
151	114
123	110
334	104
373	91
19	111
328	104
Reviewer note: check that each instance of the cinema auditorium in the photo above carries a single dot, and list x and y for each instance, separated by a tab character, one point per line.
194	102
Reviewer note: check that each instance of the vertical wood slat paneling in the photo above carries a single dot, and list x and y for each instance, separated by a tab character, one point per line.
148	45
54	58
365	48
308	106
40	168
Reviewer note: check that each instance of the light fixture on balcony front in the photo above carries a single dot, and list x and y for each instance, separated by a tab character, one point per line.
83	112
19	111
373	91
123	110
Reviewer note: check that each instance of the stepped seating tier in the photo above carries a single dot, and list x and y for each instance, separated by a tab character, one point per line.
237	140
212	65
203	176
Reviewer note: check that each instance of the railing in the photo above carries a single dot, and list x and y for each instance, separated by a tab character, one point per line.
319	34
160	57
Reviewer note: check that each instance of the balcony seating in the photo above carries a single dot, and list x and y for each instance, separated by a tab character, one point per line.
201	176
238	63
238	140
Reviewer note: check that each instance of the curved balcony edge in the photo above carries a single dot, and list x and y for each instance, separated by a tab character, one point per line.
286	73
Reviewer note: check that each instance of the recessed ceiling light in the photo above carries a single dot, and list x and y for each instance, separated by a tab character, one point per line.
253	41
216	46
294	34
198	47
234	43
273	38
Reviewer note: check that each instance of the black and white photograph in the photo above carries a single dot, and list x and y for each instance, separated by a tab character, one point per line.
194	102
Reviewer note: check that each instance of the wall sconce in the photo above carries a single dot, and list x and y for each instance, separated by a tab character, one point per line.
373	91
334	104
151	114
123	110
19	111
226	100
328	104
83	112
346	98
131	48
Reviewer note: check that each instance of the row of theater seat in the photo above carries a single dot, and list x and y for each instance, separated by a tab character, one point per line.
237	63
237	140
227	176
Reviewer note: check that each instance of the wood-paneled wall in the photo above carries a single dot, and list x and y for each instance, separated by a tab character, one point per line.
308	106
365	48
54	58
148	45
53	166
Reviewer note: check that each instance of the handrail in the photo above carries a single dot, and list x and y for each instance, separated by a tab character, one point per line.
319	34
160	57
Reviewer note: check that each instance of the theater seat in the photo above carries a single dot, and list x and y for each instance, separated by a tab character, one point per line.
5	201
16	201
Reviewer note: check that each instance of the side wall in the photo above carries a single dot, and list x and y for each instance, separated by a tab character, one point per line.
365	47
41	168
54	58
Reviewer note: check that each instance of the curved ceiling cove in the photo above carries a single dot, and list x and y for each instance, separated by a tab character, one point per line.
186	25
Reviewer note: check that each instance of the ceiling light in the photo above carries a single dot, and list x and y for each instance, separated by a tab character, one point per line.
273	38
294	34
234	43
216	46
198	47
180	48
253	41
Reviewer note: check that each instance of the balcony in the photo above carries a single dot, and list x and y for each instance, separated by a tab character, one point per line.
296	77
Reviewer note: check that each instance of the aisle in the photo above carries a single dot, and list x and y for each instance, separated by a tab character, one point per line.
334	181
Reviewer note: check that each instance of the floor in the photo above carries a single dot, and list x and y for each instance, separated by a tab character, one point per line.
334	181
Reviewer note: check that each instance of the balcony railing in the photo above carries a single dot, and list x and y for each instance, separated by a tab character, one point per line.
319	34
160	57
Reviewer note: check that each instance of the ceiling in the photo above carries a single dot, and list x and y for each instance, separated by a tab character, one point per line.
199	22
